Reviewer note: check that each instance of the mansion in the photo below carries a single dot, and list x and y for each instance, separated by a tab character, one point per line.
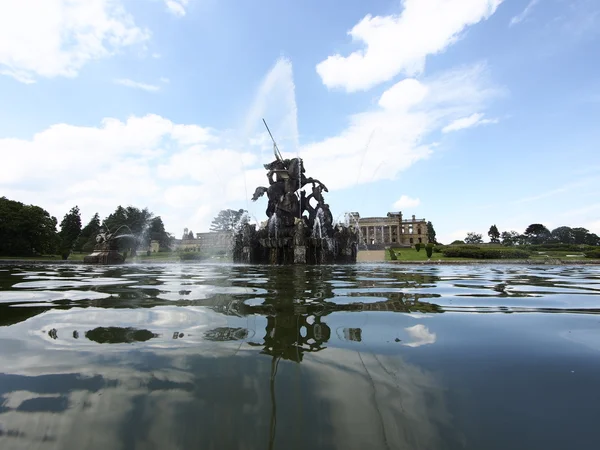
392	229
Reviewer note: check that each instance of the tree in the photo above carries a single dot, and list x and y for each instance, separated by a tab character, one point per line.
536	233
26	229
87	238
431	233
190	235
70	228
157	233
228	220
494	234
138	221
563	235
473	238
510	238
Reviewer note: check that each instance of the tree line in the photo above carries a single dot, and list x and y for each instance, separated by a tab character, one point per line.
27	230
536	234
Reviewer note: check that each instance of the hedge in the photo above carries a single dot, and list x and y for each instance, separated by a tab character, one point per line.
478	253
593	254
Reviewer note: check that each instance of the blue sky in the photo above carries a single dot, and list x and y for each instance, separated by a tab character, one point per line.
465	112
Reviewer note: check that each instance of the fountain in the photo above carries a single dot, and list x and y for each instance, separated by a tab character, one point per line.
296	231
106	250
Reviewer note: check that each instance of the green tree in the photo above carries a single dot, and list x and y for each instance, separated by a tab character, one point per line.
431	233
26	229
494	234
87	238
509	238
228	220
70	228
536	233
157	233
473	238
563	235
138	221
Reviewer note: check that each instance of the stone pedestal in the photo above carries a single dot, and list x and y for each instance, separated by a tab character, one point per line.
299	255
105	253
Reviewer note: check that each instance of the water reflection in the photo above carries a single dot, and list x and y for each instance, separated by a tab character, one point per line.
278	357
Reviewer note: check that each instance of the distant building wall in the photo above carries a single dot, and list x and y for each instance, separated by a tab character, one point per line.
211	242
392	229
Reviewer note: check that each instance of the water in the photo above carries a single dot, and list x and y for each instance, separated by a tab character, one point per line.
337	357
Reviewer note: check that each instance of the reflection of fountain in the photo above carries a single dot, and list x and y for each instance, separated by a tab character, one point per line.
106	250
291	236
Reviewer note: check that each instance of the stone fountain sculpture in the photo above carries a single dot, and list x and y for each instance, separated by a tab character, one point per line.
300	228
106	250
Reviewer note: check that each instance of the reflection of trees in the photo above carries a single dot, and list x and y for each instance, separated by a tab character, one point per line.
118	335
223	334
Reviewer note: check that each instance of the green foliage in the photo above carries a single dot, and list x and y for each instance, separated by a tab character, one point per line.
228	220
157	233
429	249
483	253
26	229
418	246
393	256
595	254
191	256
457	242
430	233
494	234
438	249
510	238
87	238
70	228
536	233
473	238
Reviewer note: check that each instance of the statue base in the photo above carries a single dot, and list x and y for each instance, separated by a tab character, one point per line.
104	254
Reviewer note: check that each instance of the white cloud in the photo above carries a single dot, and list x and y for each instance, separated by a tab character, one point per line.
471	121
420	335
520	17
137	85
50	38
143	161
406	202
401	43
165	80
176	7
382	142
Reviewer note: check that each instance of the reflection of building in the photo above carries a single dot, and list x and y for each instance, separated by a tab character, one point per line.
391	229
353	334
213	242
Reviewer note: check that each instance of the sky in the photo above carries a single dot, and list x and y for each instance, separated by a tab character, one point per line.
466	113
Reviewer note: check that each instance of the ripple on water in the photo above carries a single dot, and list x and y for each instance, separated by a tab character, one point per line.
50	296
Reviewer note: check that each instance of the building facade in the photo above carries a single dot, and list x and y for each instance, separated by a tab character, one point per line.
214	242
389	230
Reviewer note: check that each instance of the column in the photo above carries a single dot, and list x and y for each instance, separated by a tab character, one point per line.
367	235
390	232
382	235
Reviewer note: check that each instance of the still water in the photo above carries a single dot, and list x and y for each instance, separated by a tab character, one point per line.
338	357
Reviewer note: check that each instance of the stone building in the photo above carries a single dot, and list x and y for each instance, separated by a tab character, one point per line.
211	242
391	229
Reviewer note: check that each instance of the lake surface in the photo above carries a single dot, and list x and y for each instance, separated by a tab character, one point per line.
337	357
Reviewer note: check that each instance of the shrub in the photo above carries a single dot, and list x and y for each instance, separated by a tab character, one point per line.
458	242
478	253
189	256
438	248
595	254
418	246
393	256
429	250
